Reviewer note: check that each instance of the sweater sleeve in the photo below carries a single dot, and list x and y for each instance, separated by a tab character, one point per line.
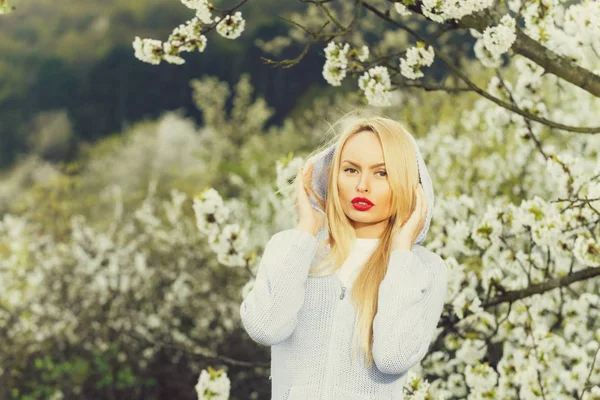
410	303
269	311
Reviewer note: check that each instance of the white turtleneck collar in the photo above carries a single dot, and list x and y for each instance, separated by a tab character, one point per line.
362	249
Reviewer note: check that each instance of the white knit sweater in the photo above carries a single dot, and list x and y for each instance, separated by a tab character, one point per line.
309	321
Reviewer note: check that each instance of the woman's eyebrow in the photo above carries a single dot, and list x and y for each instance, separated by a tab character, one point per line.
372	166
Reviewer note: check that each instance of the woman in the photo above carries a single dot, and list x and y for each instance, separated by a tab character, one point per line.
368	199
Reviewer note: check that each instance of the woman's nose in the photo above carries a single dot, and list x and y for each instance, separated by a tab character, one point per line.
363	184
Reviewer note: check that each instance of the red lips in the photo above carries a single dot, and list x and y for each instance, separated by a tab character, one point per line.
364	199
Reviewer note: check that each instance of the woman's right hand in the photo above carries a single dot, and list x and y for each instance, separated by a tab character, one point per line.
309	219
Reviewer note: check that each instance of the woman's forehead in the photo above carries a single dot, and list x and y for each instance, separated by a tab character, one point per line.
363	148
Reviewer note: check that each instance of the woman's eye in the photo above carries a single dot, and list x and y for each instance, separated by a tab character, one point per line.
379	172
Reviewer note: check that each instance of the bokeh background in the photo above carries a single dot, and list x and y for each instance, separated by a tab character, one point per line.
136	199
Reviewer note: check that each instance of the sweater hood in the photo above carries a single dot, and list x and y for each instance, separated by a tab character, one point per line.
322	164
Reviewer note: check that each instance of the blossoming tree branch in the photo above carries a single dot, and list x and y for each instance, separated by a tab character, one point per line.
563	41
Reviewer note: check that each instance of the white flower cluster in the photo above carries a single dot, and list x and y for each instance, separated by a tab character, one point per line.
231	27
416	57
334	69
213	385
467	300
582	21
440	11
495	41
416	387
185	37
202	8
481	379
376	85
188	36
338	56
286	169
229	242
587	251
498	39
573	32
541	19
148	50
401	9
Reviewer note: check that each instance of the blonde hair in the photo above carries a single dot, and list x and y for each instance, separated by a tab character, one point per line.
403	176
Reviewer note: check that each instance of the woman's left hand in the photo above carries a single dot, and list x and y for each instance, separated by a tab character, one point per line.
407	234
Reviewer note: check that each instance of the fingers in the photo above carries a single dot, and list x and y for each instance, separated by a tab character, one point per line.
307	171
301	186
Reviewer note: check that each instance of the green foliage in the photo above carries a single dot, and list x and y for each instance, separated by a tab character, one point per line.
103	367
104	364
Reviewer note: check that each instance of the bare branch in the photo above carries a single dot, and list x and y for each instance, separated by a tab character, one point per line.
431	88
546	286
287	63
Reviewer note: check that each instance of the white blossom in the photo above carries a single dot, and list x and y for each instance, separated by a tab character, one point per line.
210	211
440	11
148	50
188	36
171	54
338	56
583	22
363	54
587	251
337	53
202	8
232	26
334	73
376	85
471	351
466	300
230	245
213	385
485	56
401	9
416	57
498	39
480	377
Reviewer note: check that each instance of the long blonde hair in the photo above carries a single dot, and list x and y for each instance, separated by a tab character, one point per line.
403	176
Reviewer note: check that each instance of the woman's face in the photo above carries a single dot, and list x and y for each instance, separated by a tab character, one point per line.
363	174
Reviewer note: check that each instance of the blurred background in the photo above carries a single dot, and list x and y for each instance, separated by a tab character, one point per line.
136	199
72	62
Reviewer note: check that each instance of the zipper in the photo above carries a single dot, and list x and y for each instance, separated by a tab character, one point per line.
343	291
337	278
